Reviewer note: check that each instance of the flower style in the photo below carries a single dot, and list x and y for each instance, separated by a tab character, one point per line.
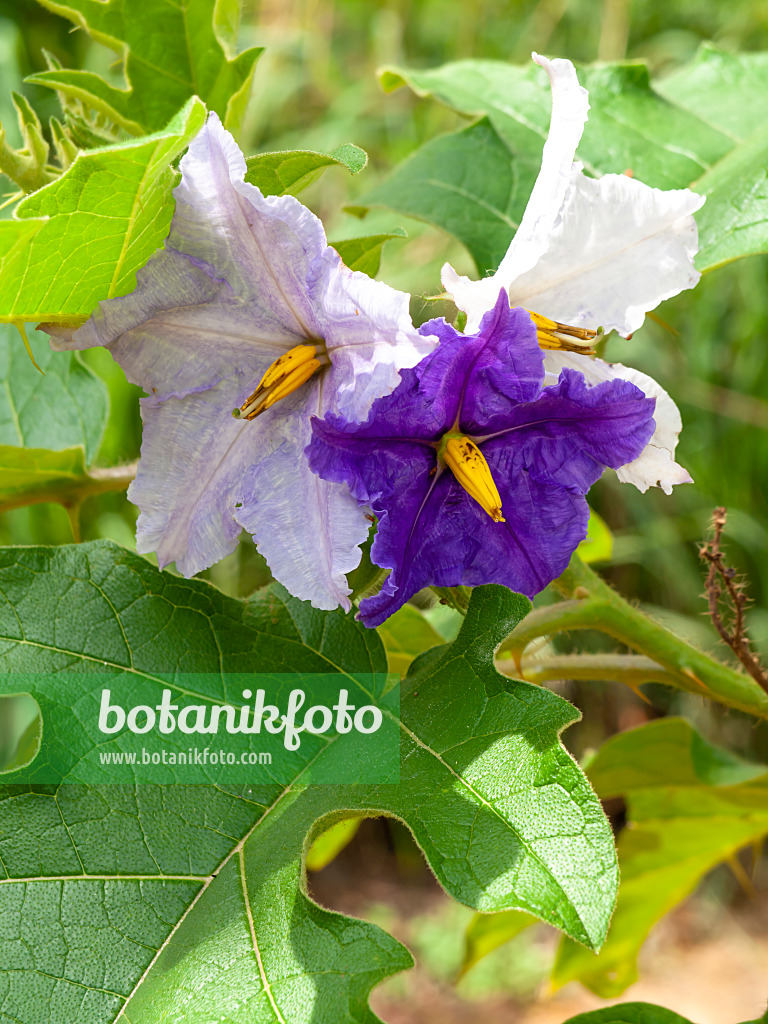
593	253
476	471
248	308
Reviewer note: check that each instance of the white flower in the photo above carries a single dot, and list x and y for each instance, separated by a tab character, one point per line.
595	253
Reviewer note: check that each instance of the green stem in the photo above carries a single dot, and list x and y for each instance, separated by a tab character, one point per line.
96	481
631	669
591	604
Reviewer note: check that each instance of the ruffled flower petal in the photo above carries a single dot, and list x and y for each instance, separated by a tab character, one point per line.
655	466
618	250
570	106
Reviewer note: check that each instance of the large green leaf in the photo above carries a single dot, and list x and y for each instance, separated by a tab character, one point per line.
727	90
469	183
690	807
93	228
704	126
171	51
191	900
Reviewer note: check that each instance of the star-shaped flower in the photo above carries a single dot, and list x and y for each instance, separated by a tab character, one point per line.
594	253
247	308
476	471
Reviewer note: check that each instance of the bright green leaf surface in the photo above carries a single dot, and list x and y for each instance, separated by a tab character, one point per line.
690	807
290	172
734	220
727	90
629	1013
365	253
93	228
62	407
192	899
597	546
172	51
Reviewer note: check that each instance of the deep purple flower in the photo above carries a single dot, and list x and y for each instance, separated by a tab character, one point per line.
544	447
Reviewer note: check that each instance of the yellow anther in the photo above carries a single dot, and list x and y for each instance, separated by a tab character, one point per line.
468	465
551	334
284	376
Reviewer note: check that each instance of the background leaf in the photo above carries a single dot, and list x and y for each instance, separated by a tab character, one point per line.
365	253
629	1013
208	896
668	137
690	806
171	52
290	172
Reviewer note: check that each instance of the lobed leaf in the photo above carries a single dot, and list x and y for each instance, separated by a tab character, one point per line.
141	902
171	52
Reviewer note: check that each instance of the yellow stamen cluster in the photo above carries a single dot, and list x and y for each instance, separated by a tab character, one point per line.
468	465
554	335
284	376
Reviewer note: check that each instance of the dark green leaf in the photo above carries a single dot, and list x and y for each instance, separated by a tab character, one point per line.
629	1013
469	183
150	899
486	932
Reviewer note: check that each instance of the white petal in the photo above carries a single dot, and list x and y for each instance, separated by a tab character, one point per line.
569	114
618	250
655	465
308	529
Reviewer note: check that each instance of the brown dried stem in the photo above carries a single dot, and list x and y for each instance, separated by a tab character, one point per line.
722	587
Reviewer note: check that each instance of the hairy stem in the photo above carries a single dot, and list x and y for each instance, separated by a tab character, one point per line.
591	604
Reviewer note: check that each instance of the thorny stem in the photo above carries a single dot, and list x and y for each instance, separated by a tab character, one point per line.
454	597
590	603
736	600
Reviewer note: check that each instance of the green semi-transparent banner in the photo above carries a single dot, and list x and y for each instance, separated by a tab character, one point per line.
108	727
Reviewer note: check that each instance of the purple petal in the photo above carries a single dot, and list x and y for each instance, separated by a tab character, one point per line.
452	541
508	369
572	432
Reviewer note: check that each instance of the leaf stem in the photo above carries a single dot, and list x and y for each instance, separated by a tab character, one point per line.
95	481
590	603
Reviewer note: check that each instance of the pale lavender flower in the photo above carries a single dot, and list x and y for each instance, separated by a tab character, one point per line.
242	280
